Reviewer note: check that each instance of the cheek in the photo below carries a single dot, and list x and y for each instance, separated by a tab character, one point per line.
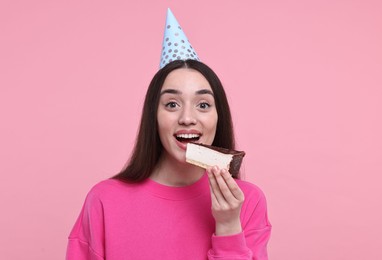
212	126
164	121
161	121
211	123
215	125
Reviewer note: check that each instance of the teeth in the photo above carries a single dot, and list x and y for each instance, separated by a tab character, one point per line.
187	136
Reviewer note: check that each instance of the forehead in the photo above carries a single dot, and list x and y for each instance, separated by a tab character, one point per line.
186	79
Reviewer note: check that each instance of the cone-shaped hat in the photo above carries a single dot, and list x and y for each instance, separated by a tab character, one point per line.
175	43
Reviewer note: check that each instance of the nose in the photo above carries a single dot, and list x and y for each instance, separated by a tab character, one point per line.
187	116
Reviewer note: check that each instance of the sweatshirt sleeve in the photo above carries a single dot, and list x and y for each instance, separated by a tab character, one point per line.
252	242
86	240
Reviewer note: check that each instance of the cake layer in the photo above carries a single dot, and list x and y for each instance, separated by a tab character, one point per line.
207	156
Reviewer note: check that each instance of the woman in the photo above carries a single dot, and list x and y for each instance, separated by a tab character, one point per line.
161	207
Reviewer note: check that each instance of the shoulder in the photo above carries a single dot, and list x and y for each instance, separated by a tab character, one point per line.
250	190
106	185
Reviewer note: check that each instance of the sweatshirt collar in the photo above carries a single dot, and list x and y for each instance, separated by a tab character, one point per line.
196	189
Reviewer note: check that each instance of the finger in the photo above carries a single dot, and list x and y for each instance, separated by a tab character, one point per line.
214	201
215	189
223	186
232	185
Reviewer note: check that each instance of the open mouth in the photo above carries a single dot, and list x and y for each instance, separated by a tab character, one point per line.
187	138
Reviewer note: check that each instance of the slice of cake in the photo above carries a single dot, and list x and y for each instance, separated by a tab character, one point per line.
207	156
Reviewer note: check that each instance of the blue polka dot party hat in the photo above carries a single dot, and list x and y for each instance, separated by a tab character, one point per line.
175	43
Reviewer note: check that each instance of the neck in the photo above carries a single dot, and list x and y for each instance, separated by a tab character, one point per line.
174	173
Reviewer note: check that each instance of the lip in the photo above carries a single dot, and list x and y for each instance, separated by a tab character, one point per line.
181	145
188	131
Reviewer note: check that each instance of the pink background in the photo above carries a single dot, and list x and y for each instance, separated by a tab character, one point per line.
304	79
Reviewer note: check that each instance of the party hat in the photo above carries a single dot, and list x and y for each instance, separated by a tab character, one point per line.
175	43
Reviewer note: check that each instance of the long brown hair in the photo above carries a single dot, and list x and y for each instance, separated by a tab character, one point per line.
148	147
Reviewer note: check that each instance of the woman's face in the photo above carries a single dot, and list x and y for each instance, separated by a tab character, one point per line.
186	112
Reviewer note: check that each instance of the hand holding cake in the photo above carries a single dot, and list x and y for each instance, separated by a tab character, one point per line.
226	196
226	199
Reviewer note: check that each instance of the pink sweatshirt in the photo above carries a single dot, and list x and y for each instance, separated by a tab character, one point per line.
153	221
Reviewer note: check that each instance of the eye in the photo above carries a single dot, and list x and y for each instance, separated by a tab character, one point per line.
204	105
171	104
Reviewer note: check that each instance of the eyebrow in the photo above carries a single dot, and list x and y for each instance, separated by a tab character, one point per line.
177	92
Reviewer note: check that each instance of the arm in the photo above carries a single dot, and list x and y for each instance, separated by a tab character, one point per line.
86	240
240	233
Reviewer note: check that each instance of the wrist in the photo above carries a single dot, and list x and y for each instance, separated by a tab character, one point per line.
228	229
